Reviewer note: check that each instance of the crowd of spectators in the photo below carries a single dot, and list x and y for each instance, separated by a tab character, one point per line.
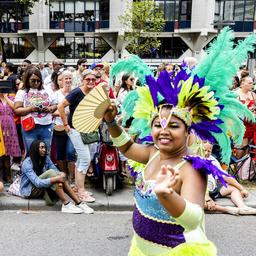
49	94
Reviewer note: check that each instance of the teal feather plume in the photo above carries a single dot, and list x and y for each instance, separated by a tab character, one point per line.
224	143
223	61
240	53
140	127
128	105
211	65
132	65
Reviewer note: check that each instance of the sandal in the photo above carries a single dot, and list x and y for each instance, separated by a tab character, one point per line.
85	197
90	172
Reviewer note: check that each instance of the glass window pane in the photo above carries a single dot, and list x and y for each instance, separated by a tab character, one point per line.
58	48
229	11
89	5
79	11
169	10
69	47
249	10
239	10
79	47
69	7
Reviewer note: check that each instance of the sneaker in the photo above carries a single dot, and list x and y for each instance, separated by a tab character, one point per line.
15	167
232	210
71	208
85	197
247	211
85	208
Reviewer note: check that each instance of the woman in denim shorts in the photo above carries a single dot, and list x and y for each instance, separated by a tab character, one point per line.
83	151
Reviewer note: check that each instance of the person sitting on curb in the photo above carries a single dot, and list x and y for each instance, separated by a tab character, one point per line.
1	186
41	178
236	191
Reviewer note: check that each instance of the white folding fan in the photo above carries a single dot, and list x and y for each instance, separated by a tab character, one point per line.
90	111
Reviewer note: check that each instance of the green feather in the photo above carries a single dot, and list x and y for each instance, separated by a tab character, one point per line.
128	105
225	145
132	65
222	61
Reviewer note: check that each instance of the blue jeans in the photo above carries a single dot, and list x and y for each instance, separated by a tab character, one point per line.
40	132
83	151
64	147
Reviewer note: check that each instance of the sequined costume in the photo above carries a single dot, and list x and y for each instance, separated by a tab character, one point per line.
158	233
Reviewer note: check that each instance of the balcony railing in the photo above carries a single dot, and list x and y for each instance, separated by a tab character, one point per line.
79	26
13	27
241	26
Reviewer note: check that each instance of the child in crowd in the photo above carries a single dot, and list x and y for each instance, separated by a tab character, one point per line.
233	189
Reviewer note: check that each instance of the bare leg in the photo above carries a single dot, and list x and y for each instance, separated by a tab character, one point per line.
62	164
80	179
61	194
236	196
71	171
71	192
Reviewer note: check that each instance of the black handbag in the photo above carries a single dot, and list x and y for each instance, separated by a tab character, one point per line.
90	137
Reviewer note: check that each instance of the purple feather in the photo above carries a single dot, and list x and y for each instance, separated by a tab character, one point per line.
132	172
145	139
203	134
209	126
198	80
165	88
153	87
207	167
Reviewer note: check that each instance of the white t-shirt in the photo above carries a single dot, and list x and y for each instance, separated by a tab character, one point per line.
37	98
212	183
59	97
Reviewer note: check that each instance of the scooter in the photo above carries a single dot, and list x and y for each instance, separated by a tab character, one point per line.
107	162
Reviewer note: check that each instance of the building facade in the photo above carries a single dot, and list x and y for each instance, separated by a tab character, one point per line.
73	29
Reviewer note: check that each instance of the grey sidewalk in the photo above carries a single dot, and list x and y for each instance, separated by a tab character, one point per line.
121	200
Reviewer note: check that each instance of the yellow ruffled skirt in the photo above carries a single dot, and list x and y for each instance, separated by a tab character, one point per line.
186	249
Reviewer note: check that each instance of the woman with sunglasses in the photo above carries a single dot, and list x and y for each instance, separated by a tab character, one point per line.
83	151
126	86
32	99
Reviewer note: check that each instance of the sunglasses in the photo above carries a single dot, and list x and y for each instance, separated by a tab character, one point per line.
35	81
84	65
132	79
90	80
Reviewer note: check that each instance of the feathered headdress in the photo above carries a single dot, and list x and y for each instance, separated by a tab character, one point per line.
200	97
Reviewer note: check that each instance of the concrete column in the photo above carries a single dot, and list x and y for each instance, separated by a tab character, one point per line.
196	42
202	14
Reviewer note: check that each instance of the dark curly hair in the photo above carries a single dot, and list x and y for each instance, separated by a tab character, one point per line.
29	72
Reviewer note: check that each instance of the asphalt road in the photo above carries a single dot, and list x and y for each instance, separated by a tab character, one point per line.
106	234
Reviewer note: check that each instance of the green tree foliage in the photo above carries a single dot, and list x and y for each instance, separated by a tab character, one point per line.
143	21
28	4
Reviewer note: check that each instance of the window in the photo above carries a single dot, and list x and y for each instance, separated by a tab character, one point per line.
79	16
229	11
185	10
249	10
171	48
235	10
79	47
239	11
17	48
